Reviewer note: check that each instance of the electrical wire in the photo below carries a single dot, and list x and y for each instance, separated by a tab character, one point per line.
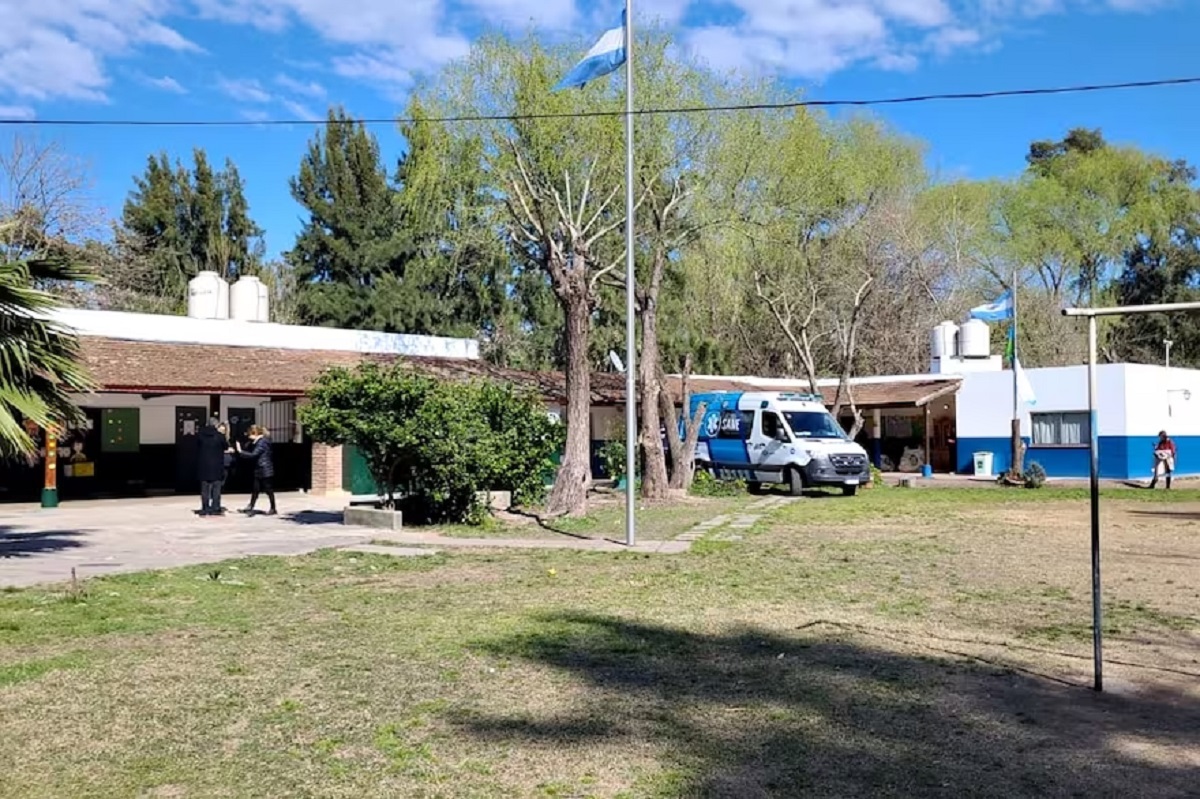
904	100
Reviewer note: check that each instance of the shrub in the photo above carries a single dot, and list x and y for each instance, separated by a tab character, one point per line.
877	477
705	485
1035	476
612	457
440	442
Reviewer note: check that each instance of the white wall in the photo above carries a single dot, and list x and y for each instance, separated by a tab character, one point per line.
985	399
156	420
1157	398
607	422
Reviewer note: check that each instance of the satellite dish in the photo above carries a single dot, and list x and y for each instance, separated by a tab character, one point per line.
615	360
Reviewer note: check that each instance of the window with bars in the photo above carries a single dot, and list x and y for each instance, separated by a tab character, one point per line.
1061	429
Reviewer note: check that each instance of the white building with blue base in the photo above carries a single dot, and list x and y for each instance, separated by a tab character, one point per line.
1133	403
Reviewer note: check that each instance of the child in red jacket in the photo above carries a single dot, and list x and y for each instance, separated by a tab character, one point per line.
1164	458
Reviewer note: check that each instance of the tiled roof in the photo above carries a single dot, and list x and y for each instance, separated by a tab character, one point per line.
164	368
161	368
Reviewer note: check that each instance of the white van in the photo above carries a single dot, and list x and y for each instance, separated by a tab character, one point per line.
769	437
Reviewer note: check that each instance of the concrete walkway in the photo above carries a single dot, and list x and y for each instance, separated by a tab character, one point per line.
112	536
115	536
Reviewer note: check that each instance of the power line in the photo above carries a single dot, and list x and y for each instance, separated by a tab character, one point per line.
905	100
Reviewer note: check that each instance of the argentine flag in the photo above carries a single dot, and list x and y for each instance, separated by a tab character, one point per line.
606	56
1000	310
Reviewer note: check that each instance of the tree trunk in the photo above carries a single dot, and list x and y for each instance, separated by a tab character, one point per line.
654	469
569	495
683	448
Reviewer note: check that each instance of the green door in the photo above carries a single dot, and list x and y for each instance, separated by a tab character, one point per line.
356	475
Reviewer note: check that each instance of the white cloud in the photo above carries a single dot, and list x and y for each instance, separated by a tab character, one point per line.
815	38
11	112
167	84
57	49
299	110
244	90
64	49
305	88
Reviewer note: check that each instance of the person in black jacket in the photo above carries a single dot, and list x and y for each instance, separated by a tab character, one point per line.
264	468
211	447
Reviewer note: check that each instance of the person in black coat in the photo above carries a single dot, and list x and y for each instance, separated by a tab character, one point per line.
264	468
212	447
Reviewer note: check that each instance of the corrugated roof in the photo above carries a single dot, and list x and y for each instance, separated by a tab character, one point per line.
167	368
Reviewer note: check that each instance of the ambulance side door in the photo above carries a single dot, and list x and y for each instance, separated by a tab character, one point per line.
771	447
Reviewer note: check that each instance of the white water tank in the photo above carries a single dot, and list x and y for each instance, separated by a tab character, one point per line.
264	302
944	342
975	339
204	296
244	299
222	299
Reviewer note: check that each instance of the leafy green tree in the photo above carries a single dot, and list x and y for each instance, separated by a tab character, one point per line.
555	175
438	442
178	222
39	360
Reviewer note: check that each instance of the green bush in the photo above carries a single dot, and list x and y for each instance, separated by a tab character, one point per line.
705	485
612	456
439	442
877	477
1035	476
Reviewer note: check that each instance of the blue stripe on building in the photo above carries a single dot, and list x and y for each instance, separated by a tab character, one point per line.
1121	457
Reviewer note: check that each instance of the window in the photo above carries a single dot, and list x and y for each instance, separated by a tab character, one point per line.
1068	429
814	424
771	425
736	424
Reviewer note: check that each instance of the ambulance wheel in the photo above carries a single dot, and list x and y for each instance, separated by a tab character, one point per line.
849	491
755	488
795	482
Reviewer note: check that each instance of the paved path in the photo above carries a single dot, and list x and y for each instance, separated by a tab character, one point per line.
105	537
114	536
721	527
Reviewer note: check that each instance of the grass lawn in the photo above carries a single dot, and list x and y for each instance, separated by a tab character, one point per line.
900	643
656	521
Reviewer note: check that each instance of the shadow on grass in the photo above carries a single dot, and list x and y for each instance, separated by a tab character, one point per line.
754	714
16	544
1166	513
546	524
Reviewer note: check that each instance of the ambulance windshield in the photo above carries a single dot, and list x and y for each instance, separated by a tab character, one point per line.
813	424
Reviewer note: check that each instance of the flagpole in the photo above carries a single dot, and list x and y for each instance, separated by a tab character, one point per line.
630	289
1016	417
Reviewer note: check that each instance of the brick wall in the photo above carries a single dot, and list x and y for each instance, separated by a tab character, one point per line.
327	471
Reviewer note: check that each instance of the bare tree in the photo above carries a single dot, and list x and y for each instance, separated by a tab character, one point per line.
45	191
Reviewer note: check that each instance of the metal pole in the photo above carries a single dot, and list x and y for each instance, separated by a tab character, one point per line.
1094	461
1018	467
1167	343
1094	456
630	289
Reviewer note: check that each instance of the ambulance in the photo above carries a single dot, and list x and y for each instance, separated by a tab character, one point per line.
784	438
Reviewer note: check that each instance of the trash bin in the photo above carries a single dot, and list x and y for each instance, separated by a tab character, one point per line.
983	464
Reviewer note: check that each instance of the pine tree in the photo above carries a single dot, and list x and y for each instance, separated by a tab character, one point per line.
351	249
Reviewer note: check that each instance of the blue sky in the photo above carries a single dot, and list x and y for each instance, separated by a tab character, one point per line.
256	59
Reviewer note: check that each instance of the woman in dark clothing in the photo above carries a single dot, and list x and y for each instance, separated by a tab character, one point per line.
264	468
